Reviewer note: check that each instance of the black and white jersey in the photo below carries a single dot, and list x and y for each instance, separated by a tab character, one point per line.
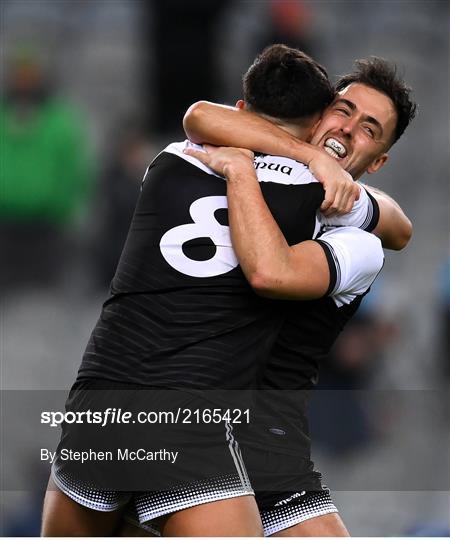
363	215
181	312
308	332
355	259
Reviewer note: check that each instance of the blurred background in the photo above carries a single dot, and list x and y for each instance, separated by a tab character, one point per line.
91	92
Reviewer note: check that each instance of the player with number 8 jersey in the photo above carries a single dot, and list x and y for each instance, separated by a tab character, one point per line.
182	318
181	311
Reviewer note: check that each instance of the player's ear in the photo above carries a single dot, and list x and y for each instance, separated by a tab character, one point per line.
377	163
240	104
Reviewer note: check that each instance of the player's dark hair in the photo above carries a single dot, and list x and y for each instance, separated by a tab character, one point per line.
286	83
382	75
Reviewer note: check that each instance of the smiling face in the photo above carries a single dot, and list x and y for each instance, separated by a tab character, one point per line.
357	129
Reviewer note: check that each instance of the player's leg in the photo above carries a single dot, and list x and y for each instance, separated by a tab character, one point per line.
325	526
238	516
328	525
64	517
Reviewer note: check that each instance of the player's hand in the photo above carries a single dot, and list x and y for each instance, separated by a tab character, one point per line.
341	191
223	159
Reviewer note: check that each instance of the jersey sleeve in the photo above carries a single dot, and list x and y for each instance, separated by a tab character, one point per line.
355	259
177	148
364	214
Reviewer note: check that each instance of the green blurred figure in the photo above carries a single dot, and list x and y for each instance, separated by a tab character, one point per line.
45	179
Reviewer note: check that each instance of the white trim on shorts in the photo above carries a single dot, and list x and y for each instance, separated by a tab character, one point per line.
152	504
159	503
95	499
309	505
236	454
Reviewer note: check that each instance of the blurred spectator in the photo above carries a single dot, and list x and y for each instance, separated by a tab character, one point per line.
44	175
119	188
341	416
289	23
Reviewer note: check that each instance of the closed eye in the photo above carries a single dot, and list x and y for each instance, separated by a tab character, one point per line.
343	111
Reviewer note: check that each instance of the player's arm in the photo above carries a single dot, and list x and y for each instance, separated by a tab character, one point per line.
272	267
223	125
393	227
378	213
212	123
344	262
206	122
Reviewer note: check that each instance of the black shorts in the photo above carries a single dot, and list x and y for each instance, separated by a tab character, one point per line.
175	464
277	454
288	490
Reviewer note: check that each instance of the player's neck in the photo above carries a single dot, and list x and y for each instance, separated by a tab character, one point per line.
299	131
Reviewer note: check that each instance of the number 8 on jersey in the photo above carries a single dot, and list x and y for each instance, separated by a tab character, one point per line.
205	226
